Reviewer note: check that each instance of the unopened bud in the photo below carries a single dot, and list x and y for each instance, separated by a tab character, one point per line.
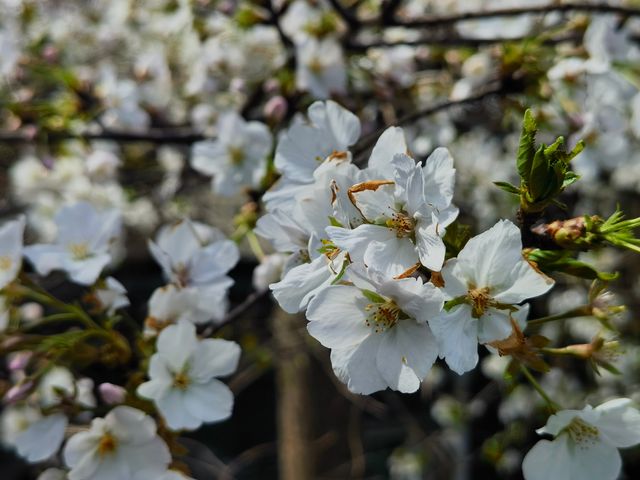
276	109
112	394
19	360
17	392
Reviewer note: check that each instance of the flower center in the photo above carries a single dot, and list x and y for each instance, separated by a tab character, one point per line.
315	66
5	262
480	300
236	154
181	381
583	433
79	251
107	445
383	316
402	223
181	272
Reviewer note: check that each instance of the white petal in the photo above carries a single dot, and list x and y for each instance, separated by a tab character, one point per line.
457	335
594	460
455	280
173	408
406	354
209	157
430	248
86	272
210	402
524	282
439	177
619	422
420	300
391	257
548	460
337	317
212	262
356	241
391	142
45	258
344	125
488	259
356	366
214	357
494	325
301	284
42	438
177	343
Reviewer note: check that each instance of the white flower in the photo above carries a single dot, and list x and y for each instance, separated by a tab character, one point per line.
112	296
321	68
34	436
331	130
377	330
84	238
585	443
237	158
182	382
58	384
169	305
10	250
403	228
122	445
198	257
486	282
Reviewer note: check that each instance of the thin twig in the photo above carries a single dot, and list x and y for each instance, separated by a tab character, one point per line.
441	20
456	42
236	312
363	145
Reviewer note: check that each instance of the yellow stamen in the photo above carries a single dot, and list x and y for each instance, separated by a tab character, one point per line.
107	445
79	251
5	262
237	155
480	300
181	381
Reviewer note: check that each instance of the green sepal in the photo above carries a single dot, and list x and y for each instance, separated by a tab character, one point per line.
373	296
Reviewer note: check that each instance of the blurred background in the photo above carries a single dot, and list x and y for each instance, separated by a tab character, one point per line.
102	100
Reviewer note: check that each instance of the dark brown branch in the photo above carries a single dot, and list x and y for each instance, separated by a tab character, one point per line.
178	135
349	17
363	145
456	42
441	20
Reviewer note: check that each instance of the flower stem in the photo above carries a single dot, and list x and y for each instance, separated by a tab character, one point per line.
553	406
582	311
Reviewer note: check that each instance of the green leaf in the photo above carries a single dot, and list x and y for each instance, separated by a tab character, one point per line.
569	179
507	187
539	180
526	148
562	261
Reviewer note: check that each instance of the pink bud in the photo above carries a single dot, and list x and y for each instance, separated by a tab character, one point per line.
276	108
112	394
271	86
17	392
19	360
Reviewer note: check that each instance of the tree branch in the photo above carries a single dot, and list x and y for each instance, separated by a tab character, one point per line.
178	135
347	15
363	145
441	20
